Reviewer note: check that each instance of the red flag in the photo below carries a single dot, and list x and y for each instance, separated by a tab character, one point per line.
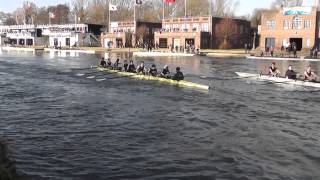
169	1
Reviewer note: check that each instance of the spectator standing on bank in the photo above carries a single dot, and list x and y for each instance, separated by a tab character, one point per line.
315	52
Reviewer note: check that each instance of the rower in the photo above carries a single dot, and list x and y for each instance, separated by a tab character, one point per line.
153	71
165	73
273	70
116	65
290	74
103	62
109	63
141	68
309	75
179	75
125	65
132	67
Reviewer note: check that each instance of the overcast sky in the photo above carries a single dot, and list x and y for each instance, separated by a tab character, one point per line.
245	7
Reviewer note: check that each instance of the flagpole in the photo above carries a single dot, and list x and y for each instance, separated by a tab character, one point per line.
134	16
162	9
109	23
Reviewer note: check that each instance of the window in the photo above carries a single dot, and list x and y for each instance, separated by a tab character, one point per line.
67	41
296	24
270	42
307	24
286	24
271	25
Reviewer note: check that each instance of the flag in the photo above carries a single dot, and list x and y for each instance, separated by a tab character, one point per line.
51	15
169	1
138	2
112	7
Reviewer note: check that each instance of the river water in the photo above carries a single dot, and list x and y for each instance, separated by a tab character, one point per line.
61	125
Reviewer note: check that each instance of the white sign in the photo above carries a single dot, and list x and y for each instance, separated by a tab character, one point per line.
114	24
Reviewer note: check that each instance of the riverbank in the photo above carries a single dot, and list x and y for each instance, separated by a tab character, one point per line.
7	171
229	53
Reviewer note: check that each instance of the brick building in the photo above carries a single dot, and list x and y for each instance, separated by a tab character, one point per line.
124	34
203	32
285	26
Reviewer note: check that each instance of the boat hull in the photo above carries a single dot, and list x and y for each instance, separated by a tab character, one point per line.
159	79
279	80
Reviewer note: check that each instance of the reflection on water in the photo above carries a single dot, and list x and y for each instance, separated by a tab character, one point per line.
63	126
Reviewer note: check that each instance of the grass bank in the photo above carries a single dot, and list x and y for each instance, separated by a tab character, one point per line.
7	170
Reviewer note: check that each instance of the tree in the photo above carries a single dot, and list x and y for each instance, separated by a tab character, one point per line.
30	11
286	3
256	17
226	30
223	8
80	9
61	13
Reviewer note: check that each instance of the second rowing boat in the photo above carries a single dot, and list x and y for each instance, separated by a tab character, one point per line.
279	80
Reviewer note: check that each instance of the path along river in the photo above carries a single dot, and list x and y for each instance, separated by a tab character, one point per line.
60	125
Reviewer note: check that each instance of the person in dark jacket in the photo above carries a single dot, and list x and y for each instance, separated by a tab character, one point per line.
125	65
132	67
179	75
153	71
103	63
291	74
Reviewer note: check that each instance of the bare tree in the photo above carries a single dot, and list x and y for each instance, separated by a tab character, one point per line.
223	8
286	3
80	9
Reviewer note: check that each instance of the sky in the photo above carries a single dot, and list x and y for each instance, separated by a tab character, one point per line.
245	6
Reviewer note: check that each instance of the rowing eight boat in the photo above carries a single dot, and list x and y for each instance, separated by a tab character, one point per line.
152	78
279	79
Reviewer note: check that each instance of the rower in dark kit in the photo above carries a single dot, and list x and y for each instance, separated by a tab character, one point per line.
309	75
291	74
125	65
179	75
273	70
141	69
116	65
165	73
109	63
132	67
103	63
153	71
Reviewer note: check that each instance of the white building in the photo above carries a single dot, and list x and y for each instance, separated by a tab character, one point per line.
65	35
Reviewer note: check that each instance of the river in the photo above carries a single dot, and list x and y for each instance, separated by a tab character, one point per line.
61	125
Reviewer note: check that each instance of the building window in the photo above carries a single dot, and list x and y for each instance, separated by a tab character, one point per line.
67	41
270	42
296	24
307	24
271	25
286	24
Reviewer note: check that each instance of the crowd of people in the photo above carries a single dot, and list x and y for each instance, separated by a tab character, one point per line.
142	69
308	74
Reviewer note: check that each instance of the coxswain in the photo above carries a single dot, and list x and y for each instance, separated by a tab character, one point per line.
165	73
153	71
109	63
103	63
179	75
125	65
309	75
291	74
273	71
131	67
141	68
